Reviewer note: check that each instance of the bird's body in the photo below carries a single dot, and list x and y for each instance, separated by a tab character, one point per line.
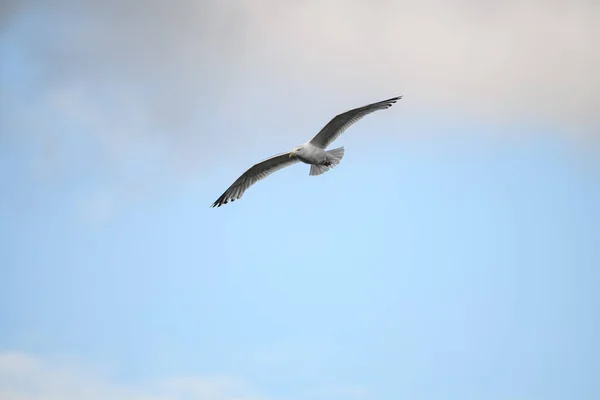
312	152
319	159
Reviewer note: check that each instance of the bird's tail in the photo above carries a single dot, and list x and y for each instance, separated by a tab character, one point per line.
333	158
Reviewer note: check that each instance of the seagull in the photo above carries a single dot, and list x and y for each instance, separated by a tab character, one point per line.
312	152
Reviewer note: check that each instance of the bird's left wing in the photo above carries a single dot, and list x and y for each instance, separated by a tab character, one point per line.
254	174
341	122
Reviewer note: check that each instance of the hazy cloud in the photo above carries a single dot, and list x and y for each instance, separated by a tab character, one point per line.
172	84
24	377
27	377
523	59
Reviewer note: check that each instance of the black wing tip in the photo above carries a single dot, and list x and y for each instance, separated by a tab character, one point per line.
222	200
389	102
393	99
219	202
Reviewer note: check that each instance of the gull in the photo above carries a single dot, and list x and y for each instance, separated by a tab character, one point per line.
312	152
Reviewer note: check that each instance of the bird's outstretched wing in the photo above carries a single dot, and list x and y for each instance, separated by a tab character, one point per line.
254	174
341	122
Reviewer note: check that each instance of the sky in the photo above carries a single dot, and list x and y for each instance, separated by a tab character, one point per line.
452	254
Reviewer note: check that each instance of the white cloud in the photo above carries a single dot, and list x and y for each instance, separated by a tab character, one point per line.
338	393
130	71
166	63
153	90
25	377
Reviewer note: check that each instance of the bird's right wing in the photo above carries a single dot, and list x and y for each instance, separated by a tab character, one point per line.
341	122
254	174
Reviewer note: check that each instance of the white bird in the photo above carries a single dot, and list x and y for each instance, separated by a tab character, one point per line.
312	152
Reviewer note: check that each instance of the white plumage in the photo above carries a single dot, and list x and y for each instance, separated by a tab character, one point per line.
312	152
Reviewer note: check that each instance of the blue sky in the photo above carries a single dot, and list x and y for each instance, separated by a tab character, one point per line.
452	254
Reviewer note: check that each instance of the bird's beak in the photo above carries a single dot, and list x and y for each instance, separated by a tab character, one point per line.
292	153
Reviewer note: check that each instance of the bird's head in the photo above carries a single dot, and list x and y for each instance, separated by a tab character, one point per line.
296	151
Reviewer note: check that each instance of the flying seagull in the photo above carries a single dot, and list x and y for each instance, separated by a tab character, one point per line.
312	152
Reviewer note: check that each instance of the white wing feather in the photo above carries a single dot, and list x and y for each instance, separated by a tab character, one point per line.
341	122
255	173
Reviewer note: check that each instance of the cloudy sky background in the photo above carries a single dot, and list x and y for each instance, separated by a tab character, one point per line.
455	248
